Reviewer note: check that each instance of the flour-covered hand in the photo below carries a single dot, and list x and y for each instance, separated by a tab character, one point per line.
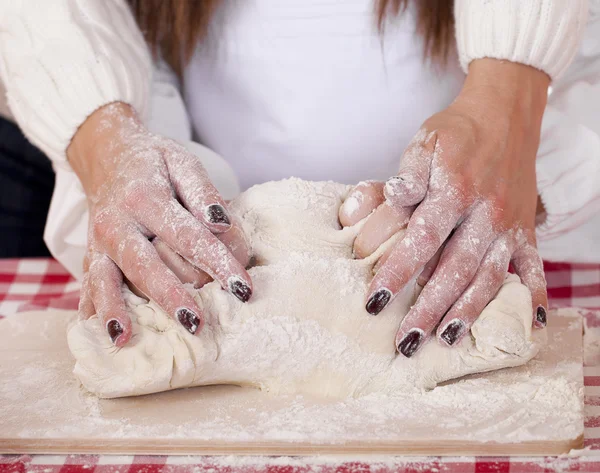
470	172
142	187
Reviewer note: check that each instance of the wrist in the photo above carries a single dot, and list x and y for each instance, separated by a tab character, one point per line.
96	142
515	91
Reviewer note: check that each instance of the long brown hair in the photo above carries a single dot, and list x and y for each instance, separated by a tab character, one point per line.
173	27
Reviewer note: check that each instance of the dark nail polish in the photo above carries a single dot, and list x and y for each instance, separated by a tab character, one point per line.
115	330
240	289
541	316
411	342
217	214
453	331
188	319
378	301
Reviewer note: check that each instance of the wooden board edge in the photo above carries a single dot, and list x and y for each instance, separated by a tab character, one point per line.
183	447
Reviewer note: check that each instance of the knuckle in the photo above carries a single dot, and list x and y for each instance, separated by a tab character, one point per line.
464	266
138	193
498	256
134	193
426	234
494	276
189	236
206	252
183	235
133	266
134	259
103	227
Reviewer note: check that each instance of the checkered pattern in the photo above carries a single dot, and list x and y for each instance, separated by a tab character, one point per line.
35	283
28	284
196	464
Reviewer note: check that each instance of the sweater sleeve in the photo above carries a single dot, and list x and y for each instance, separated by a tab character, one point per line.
544	34
568	162
60	60
66	228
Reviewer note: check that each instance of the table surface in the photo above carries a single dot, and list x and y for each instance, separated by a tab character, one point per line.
34	284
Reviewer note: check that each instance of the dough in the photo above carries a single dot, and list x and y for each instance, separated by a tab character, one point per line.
305	330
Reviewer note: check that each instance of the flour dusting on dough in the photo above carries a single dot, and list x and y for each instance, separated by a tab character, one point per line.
305	330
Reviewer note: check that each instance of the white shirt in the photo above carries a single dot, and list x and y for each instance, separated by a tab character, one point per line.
310	89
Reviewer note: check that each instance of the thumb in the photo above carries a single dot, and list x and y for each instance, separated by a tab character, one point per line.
410	185
363	199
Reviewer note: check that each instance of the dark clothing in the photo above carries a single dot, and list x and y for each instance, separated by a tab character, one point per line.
26	183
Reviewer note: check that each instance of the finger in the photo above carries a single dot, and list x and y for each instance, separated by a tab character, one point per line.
105	283
185	271
385	222
142	266
429	268
235	241
198	245
195	190
458	264
86	307
410	185
427	229
384	257
530	268
361	201
482	289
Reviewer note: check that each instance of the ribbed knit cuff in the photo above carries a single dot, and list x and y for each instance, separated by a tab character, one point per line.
544	34
62	60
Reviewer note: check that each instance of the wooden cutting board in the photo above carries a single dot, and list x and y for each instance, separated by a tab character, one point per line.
43	409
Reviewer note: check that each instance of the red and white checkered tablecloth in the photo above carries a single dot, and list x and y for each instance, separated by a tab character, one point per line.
29	284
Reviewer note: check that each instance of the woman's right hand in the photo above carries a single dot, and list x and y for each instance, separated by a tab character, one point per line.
153	219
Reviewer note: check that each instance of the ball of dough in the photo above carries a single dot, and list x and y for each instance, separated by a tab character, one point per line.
305	329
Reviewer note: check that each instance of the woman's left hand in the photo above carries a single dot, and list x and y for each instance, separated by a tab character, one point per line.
470	172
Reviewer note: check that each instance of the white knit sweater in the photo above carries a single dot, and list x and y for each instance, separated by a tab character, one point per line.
62	59
544	34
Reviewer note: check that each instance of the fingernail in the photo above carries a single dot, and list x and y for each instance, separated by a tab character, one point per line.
217	214
378	301
540	316
240	289
392	182
188	319
115	330
411	342
453	331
